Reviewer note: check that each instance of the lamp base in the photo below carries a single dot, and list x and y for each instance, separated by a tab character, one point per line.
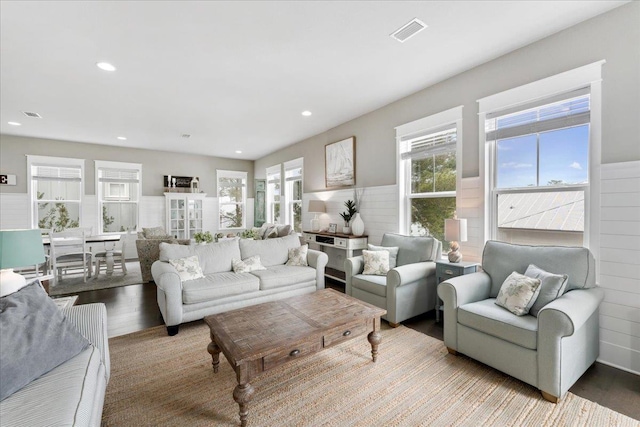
315	223
454	254
10	282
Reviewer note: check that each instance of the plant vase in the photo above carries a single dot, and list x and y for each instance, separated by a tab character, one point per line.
357	225
346	229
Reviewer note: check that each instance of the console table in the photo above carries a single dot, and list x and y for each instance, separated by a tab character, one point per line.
345	242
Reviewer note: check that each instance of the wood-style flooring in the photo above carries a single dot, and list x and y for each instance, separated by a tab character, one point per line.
134	308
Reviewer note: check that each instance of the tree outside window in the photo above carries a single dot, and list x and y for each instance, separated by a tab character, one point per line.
232	199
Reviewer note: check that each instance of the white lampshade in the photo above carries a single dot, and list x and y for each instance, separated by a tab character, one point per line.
455	230
317	206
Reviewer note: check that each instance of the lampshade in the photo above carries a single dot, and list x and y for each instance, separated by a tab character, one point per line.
20	248
455	230
317	206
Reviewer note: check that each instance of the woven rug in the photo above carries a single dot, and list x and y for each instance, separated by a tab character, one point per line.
74	283
157	380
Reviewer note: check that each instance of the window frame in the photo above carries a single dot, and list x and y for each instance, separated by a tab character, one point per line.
101	198
232	175
59	162
272	171
288	193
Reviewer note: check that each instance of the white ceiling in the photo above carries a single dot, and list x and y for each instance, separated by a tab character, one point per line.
237	75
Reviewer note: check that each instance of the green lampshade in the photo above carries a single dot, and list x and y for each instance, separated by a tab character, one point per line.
20	248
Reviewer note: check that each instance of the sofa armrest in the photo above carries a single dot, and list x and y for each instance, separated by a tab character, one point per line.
352	266
91	322
459	291
568	339
169	284
318	260
410	273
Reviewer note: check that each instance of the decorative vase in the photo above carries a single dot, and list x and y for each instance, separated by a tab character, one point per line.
346	230
357	225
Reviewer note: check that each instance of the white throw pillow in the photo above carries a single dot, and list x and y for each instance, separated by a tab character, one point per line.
248	264
298	256
393	253
376	262
188	268
518	293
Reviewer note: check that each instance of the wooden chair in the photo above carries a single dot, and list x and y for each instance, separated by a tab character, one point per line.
118	253
69	251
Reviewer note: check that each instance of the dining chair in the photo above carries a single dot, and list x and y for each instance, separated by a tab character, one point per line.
69	251
118	252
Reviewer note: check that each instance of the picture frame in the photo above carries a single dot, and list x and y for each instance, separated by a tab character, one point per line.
340	163
333	228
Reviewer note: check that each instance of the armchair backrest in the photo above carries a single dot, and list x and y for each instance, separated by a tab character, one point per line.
500	259
413	248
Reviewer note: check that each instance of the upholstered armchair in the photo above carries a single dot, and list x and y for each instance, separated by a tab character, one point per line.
550	351
409	289
148	247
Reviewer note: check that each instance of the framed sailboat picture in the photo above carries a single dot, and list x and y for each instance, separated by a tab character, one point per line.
340	163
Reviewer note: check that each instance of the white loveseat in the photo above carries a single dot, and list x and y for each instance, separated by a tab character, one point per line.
221	289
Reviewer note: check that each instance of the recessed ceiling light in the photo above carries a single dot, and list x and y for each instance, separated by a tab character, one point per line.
306	113
122	138
105	66
14	123
238	151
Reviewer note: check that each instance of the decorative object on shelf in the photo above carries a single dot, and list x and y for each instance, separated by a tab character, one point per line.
316	207
179	184
357	225
18	248
333	228
203	237
346	216
195	185
455	230
340	163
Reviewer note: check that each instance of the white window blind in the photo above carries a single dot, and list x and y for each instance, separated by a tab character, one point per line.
430	143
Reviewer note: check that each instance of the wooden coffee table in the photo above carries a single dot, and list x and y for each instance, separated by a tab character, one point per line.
261	337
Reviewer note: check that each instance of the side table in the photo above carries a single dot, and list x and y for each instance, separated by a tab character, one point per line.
446	270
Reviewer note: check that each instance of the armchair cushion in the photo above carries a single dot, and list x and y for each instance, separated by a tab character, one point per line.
551	286
376	285
518	293
154	233
393	253
412	249
485	316
376	262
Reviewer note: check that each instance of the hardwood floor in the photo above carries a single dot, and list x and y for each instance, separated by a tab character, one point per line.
134	308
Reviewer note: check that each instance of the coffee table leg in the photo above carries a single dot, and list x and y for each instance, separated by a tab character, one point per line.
242	394
214	351
375	338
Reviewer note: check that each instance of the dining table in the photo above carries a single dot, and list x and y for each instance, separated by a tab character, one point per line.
105	239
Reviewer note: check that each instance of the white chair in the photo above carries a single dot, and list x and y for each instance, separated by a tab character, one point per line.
118	253
69	251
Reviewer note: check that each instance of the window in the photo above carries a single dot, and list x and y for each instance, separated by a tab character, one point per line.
428	150
273	194
55	191
232	199
293	193
118	192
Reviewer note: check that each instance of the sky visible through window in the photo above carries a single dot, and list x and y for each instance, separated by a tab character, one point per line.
563	158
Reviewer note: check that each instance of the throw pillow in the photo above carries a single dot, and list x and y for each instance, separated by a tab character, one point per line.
248	264
188	268
36	337
551	286
298	256
154	232
393	253
376	262
518	293
283	230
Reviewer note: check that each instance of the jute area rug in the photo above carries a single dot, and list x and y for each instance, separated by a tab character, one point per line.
73	283
157	380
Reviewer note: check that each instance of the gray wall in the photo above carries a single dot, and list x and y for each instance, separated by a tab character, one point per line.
155	164
614	36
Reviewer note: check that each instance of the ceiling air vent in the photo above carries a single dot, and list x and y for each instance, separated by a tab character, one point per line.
408	30
186	135
30	114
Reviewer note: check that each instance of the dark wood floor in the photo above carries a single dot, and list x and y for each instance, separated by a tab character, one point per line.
134	308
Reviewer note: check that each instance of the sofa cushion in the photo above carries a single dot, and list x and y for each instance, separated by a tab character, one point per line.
218	285
271	251
393	253
188	268
485	316
518	293
412	249
36	337
551	286
213	257
298	256
373	284
247	265
376	262
278	276
500	259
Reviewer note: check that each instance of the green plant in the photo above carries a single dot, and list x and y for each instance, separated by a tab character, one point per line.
250	234
351	211
205	237
57	217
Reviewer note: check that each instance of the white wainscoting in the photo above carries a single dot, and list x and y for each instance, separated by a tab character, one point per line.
619	265
469	205
15	211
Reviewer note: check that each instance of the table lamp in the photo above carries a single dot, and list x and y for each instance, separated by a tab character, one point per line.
18	248
317	207
455	230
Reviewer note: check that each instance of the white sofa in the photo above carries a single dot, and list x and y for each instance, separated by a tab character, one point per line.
221	289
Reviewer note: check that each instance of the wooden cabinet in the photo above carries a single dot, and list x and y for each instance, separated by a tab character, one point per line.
184	213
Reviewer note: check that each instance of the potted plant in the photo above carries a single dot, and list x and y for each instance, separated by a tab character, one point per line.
346	216
203	238
250	234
